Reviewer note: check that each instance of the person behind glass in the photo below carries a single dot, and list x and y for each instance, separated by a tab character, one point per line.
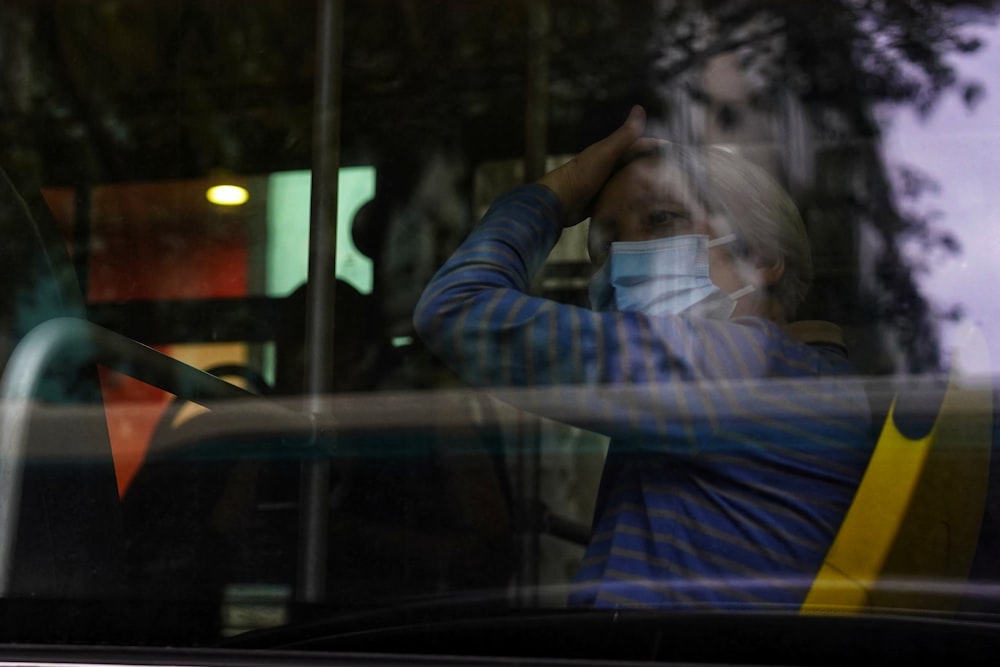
737	439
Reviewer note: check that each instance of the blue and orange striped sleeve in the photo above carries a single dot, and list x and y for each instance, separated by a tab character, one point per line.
476	315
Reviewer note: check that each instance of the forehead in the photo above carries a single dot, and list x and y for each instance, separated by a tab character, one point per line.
648	179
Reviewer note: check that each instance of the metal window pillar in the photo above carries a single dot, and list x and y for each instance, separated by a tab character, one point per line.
319	332
528	484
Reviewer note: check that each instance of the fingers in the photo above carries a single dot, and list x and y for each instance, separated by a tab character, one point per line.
645	144
577	182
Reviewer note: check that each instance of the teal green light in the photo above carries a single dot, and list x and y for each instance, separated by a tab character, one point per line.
287	256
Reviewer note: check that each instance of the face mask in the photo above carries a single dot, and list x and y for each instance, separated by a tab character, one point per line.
665	276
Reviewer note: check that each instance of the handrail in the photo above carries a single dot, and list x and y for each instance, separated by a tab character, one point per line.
88	343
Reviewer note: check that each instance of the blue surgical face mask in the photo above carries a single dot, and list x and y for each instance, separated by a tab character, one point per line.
665	276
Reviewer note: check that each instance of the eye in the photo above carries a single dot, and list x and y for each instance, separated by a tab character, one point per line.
669	222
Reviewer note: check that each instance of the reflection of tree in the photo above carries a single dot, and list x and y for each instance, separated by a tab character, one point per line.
107	90
837	60
915	230
113	90
863	53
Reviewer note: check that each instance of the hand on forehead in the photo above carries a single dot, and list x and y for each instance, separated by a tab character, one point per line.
650	196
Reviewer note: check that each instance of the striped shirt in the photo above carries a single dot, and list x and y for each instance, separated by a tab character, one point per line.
735	450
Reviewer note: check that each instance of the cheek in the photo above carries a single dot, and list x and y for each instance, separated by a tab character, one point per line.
724	270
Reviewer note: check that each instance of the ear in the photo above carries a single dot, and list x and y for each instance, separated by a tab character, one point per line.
598	242
771	272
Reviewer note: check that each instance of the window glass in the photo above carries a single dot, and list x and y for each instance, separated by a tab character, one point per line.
680	314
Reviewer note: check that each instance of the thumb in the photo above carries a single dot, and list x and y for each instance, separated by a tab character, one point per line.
608	150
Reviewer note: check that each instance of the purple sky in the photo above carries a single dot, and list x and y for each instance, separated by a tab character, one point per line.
960	149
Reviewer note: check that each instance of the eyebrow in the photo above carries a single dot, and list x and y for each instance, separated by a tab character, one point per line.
665	199
676	194
629	158
691	191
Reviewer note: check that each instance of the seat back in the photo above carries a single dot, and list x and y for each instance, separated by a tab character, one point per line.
910	535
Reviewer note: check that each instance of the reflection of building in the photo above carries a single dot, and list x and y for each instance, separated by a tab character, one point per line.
837	178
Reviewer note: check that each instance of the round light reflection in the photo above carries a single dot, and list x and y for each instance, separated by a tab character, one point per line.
227	195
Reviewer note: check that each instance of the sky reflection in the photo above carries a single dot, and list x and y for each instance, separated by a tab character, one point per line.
958	148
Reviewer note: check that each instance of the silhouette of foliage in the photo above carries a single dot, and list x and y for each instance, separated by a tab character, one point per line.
127	86
99	91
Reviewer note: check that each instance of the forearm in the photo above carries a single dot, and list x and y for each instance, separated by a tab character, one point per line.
509	245
469	308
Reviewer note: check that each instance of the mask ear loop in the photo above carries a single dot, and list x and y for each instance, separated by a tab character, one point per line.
746	289
722	240
742	292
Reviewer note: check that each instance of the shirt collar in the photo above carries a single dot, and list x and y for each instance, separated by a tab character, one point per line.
816	332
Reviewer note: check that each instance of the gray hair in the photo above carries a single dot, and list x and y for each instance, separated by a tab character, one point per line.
762	215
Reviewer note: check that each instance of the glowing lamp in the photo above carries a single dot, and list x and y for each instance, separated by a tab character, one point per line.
227	195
